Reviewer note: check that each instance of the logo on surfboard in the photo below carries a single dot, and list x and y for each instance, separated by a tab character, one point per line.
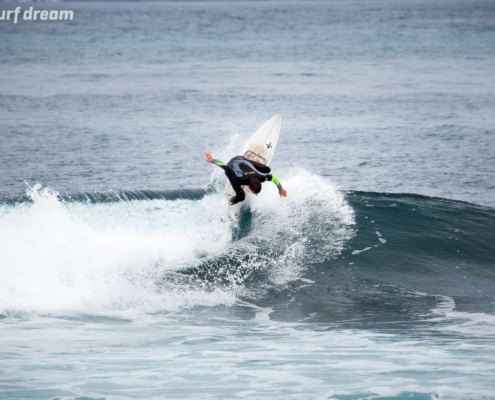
269	145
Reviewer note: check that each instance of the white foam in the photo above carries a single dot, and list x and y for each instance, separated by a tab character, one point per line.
311	224
469	324
106	258
64	258
360	251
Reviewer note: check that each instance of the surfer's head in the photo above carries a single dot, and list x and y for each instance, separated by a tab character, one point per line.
255	186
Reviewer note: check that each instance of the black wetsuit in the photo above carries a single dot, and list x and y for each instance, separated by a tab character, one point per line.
240	171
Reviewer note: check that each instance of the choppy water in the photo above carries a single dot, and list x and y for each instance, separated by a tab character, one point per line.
374	278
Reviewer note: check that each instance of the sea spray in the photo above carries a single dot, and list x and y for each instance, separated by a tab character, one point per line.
63	256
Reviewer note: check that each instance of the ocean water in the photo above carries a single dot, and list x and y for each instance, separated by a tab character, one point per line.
121	277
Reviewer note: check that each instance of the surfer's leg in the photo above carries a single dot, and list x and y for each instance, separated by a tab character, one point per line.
265	169
234	181
240	196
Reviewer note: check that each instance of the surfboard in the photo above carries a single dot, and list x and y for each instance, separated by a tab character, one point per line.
261	146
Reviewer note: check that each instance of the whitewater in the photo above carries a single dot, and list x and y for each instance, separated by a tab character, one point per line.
121	276
62	256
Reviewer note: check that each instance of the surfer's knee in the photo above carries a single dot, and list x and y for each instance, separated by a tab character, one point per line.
240	196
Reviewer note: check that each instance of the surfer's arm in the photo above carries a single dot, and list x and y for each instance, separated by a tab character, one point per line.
209	158
276	181
221	164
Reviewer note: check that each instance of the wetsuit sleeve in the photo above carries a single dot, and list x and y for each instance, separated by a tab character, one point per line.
221	164
275	180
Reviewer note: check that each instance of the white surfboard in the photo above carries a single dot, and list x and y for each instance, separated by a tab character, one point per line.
261	146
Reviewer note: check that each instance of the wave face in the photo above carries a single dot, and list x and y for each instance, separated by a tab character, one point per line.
409	252
135	252
382	255
426	244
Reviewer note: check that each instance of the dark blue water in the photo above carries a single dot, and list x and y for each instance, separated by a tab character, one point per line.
121	277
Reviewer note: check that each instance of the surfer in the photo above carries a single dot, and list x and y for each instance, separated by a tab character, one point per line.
243	172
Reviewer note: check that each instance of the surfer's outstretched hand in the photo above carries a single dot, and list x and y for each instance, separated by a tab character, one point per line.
209	157
282	193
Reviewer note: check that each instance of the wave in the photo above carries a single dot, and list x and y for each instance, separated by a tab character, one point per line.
408	253
355	253
106	197
133	252
424	243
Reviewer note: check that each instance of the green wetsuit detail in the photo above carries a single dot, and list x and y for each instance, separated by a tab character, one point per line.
276	181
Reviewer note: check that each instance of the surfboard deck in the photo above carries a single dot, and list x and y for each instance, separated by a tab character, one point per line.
262	146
